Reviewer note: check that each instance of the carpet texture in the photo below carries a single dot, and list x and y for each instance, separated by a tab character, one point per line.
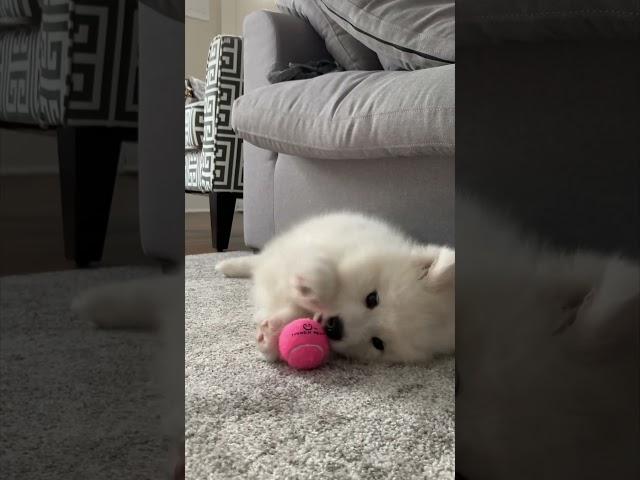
246	418
77	402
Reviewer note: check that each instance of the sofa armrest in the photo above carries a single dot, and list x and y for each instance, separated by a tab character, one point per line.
272	40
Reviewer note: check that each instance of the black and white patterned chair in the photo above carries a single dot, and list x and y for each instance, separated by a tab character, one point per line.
213	152
72	65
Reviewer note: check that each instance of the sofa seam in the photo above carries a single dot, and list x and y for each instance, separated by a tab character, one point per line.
395	27
289	143
307	118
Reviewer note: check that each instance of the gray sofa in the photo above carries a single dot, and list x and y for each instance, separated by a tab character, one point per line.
380	142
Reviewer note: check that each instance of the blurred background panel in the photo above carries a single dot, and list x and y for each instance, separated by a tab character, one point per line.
547	239
86	134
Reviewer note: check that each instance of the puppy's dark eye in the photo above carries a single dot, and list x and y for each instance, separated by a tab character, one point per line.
377	343
372	300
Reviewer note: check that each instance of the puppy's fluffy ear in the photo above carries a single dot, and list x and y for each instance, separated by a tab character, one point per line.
436	265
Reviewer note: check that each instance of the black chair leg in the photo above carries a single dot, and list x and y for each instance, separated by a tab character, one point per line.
88	158
222	206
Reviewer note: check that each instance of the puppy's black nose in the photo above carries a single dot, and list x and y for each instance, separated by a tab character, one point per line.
334	328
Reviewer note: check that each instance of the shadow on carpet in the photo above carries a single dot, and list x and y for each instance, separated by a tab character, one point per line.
246	418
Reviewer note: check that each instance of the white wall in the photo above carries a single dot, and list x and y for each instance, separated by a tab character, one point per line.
225	16
234	11
197	36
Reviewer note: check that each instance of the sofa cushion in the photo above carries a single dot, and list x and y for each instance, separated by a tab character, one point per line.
345	49
353	114
406	34
493	21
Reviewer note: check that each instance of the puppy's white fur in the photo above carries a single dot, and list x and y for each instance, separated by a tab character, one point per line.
327	265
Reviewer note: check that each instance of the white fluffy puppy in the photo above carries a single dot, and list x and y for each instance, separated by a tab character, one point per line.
379	295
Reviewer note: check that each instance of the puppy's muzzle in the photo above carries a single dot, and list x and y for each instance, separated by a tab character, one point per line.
334	328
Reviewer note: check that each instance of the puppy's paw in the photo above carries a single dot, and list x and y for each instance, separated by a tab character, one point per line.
314	284
267	338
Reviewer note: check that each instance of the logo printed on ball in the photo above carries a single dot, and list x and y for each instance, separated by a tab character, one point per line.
308	329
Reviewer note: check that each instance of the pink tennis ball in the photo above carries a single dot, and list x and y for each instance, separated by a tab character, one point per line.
303	344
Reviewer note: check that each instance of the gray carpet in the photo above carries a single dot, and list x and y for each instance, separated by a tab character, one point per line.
246	418
77	403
